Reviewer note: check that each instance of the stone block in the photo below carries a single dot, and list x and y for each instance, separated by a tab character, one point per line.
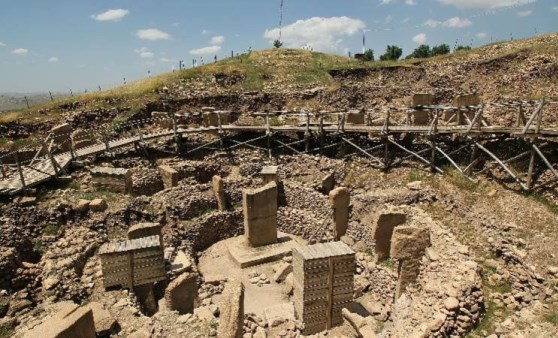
112	179
231	322
270	174
181	293
141	230
104	321
169	176
328	183
467	100
219	192
355	117
279	314
181	263
383	232
69	322
98	205
260	215
340	200
422	100
409	242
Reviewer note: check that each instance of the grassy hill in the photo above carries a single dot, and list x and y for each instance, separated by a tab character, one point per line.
526	68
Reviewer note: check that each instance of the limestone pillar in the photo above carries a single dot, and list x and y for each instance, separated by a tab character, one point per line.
260	215
339	200
231	321
181	293
383	232
408	245
219	192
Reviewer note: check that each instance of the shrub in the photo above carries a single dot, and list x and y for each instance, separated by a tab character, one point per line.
393	53
369	55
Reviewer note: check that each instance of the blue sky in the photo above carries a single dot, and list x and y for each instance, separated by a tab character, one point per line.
60	45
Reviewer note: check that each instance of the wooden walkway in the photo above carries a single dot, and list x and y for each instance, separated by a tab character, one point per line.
43	169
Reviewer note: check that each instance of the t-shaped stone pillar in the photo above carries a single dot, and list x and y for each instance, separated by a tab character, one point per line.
269	174
408	246
340	200
260	215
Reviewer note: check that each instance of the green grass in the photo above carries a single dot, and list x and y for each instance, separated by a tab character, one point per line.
462	182
551	317
415	175
51	230
553	208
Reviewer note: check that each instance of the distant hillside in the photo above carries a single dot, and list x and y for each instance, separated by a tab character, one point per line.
299	79
13	101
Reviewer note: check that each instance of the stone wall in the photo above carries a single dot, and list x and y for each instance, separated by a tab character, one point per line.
112	179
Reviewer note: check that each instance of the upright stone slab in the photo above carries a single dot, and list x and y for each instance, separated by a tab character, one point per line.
141	230
181	293
169	176
69	322
323	284
232	311
408	245
356	117
328	183
270	174
260	215
340	200
383	232
219	192
420	100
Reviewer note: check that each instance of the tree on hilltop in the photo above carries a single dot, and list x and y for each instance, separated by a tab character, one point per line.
393	53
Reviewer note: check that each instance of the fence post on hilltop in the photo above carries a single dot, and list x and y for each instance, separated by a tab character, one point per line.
49	93
26	101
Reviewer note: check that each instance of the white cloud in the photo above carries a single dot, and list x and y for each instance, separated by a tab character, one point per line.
406	20
176	24
152	34
205	32
111	15
525	13
485	3
388	19
323	34
217	40
2	44
481	35
206	50
555	8
455	22
420	38
20	51
144	53
166	60
53	59
407	2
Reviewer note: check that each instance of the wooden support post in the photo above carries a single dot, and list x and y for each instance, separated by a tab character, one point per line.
416	155
19	170
533	117
539	118
52	161
532	159
307	133
508	170
268	133
385	139
343	116
545	160
321	130
175	133
2	169
364	151
520	122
